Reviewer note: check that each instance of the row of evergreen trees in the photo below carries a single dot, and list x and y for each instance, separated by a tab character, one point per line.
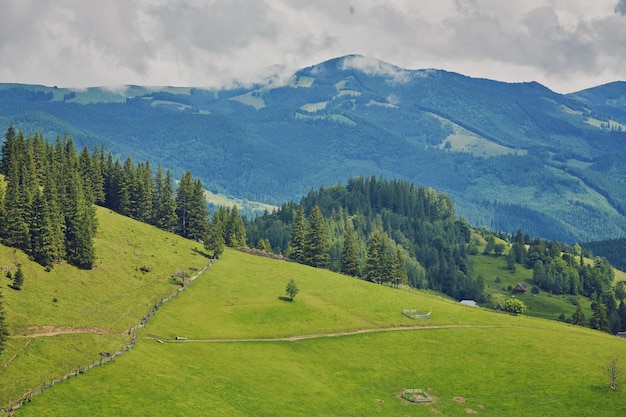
47	207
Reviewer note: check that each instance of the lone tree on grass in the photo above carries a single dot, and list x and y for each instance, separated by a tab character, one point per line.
292	289
514	306
18	279
614	371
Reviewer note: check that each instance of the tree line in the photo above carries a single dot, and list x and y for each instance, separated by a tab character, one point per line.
49	193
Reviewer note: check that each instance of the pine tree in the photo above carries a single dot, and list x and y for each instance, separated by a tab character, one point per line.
198	213
399	274
316	243
349	261
214	240
165	204
79	225
235	229
18	279
298	237
183	201
4	331
16	205
599	318
376	260
578	318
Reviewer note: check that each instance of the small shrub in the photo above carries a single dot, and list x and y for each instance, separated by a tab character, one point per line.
498	280
55	300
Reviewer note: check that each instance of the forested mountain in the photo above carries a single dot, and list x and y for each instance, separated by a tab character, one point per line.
389	232
510	155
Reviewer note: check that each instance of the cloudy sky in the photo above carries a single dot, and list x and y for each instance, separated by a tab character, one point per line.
567	45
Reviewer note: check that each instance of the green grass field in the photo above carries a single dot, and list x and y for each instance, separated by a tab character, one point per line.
109	299
469	360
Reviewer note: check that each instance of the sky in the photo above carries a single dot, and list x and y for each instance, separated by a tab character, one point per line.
567	45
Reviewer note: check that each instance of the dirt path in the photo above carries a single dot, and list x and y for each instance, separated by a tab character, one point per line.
48	331
323	335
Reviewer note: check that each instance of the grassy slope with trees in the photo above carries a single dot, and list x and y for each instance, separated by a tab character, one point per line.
472	361
136	265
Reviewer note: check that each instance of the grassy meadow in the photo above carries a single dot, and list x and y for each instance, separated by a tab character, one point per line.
96	308
235	361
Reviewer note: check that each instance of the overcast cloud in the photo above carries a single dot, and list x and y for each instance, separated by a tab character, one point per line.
565	44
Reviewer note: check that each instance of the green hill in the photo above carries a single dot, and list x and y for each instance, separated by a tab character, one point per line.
342	347
88	311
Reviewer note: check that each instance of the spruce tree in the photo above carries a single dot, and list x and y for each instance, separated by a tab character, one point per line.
198	213
297	241
349	261
376	257
214	240
578	318
599	318
183	202
4	331
18	279
165	204
316	243
235	229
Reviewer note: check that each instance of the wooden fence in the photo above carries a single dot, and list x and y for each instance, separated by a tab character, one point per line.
104	357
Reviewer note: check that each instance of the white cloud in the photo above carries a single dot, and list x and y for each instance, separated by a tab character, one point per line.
565	44
375	67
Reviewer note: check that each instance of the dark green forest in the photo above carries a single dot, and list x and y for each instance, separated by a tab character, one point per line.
383	231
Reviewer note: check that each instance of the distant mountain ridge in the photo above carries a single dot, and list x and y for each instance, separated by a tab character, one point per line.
511	155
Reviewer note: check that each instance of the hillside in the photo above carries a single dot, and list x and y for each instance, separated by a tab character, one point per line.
88	311
510	155
342	347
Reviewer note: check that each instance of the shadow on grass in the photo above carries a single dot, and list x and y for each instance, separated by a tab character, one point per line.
285	299
201	252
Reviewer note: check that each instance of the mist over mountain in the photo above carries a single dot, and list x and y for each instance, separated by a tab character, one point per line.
512	156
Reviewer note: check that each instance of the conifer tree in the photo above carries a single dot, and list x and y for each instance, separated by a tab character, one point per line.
4	331
164	202
214	240
16	207
376	260
18	279
316	243
235	229
399	274
349	261
198	213
79	225
183	201
599	318
143	193
578	318
297	241
9	150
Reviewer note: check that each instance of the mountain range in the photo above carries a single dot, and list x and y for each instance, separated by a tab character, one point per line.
511	156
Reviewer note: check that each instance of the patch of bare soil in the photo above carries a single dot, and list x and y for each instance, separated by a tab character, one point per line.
470	411
47	331
459	399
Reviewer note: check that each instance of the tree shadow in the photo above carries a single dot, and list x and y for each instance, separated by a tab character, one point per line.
201	252
281	298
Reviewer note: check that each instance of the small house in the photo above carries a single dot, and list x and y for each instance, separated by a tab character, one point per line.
519	289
